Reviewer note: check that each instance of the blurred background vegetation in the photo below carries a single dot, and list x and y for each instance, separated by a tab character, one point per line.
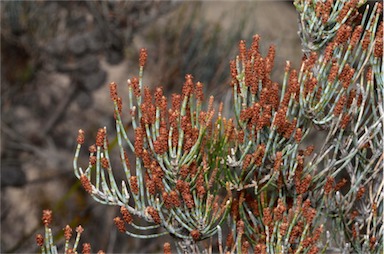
57	58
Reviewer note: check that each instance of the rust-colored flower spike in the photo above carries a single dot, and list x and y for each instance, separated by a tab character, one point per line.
303	186
340	184
366	40
329	184
233	68
113	91
378	50
127	217
360	193
47	217
278	161
92	149
309	214
260	249
86	183
283	228
119	224
298	135
39	240
100	137
229	242
345	121
86	248
242	50
199	91
154	214
356	36
267	218
67	232
134	83
174	197
188	85
271	57
240	227
372	242
245	246
195	234
167	248
143	57
80	137
313	250
104	163
134	185
79	229
279	210
340	105
343	34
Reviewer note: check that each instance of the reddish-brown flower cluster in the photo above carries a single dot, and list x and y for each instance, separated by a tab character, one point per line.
86	183
278	161
346	8
267	216
143	57
333	72
360	193
39	240
340	105
366	40
80	137
139	141
240	227
323	10
284	126
260	249
67	232
340	184
284	226
279	210
184	188
303	186
195	234
242	50
79	229
329	185
296	232
100	137
154	214
308	212
104	163
346	75
92	160
134	185
47	217
119	224
134	84
310	85
127	217
378	50
167	248
345	121
356	36
86	248
343	34
233	68
372	242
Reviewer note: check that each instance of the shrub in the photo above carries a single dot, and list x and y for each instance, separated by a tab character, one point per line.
249	182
